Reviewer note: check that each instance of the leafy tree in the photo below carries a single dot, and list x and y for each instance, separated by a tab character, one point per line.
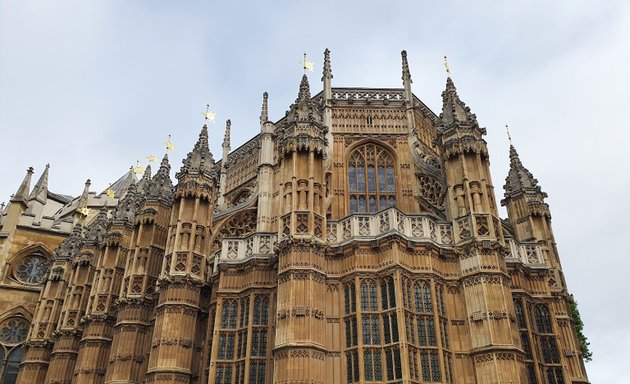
579	326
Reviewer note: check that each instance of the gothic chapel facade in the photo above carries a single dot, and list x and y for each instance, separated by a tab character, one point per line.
355	240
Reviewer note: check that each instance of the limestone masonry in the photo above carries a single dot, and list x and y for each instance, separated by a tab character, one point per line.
355	240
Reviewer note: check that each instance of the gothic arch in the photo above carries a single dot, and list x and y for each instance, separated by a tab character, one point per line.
371	176
29	266
238	224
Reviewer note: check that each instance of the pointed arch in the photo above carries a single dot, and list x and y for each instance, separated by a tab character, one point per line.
371	171
238	224
30	265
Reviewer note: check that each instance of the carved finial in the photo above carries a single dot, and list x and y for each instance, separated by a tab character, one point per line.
208	115
508	134
226	137
327	67
446	66
264	113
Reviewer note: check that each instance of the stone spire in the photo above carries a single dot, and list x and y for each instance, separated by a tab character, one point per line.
160	187
519	179
200	160
305	90
21	196
226	137
327	67
264	112
40	191
304	108
406	74
70	246
83	200
97	228
454	111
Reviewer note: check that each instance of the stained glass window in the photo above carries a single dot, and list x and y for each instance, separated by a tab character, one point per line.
13	331
543	318
370	179
32	270
13	365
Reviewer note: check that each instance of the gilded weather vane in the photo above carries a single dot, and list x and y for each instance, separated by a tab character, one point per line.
307	65
152	158
170	146
138	170
208	115
448	69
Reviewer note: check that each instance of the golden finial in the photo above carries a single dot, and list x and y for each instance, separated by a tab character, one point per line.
138	169
307	65
85	211
448	69
208	115
110	192
169	144
508	133
152	158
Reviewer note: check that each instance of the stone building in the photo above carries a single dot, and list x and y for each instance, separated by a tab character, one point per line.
356	239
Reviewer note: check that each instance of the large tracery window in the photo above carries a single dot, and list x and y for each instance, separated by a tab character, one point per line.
370	179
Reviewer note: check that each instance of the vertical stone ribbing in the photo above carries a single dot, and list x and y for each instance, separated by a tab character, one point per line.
471	206
179	322
300	344
134	324
100	317
38	345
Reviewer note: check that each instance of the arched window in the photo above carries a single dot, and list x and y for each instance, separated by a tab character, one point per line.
543	319
520	317
13	332
370	179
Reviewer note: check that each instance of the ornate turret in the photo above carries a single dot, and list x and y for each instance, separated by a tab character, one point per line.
520	180
458	130
303	127
525	203
182	273
199	161
144	181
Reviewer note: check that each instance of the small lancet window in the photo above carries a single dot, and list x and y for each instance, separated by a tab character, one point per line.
370	179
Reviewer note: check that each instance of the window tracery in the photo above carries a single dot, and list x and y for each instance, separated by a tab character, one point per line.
370	179
32	269
13	333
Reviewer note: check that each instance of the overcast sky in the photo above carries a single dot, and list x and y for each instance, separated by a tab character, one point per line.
93	86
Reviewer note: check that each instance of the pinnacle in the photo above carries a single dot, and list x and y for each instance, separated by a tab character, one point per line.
305	90
160	187
327	67
455	111
199	160
519	179
264	113
40	191
406	74
226	137
22	192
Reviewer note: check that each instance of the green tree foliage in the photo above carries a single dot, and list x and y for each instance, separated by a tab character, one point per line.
579	326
